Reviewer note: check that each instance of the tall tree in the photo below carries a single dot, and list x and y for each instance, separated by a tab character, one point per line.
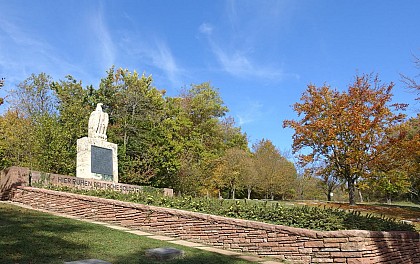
16	144
34	97
275	173
136	110
344	129
236	171
199	135
34	100
74	105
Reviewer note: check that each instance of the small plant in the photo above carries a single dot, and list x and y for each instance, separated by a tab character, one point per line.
316	218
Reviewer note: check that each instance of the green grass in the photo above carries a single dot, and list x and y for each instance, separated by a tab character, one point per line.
28	236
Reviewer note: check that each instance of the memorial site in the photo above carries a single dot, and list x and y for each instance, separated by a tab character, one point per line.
213	132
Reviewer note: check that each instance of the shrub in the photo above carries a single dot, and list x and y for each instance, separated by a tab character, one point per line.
315	218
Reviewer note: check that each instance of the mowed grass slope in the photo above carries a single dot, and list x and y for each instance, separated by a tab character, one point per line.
28	236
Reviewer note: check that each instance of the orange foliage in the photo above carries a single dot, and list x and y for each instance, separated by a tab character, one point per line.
344	128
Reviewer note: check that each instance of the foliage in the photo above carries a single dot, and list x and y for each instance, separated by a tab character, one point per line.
305	190
397	171
199	137
235	170
15	144
316	218
276	174
328	179
137	110
33	97
344	129
186	142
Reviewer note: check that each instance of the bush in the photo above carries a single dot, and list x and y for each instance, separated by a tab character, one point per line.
315	218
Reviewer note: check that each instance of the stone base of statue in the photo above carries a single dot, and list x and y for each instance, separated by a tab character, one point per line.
96	159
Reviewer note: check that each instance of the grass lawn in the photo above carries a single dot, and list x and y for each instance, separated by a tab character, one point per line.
28	236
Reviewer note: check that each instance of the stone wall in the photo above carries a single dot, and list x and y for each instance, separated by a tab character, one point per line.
295	244
16	176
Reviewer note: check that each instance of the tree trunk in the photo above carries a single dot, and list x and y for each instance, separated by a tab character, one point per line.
360	195
388	199
329	196
249	193
233	193
351	186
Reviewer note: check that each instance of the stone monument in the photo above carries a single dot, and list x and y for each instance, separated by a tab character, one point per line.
96	157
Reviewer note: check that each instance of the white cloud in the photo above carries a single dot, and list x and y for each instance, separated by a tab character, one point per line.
163	59
236	62
206	28
154	52
99	28
250	113
242	47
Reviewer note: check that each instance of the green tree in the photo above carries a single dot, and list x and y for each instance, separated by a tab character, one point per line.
305	183
35	100
276	174
137	110
328	181
16	146
74	104
34	97
198	136
344	129
235	170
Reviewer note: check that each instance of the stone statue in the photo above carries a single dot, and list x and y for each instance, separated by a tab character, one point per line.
98	123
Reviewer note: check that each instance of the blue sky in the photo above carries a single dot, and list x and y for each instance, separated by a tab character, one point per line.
259	54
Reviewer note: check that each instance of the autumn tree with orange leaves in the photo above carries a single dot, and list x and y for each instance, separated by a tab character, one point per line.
344	129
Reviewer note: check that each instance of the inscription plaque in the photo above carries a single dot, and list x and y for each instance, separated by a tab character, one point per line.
101	160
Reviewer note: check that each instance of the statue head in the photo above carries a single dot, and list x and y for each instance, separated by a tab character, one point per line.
99	106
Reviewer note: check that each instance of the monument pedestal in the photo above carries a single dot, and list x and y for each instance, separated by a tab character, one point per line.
97	159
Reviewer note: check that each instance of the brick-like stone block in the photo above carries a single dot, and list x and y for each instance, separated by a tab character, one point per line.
336	240
314	244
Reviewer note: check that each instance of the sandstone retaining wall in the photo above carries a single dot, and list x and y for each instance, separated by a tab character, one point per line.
295	244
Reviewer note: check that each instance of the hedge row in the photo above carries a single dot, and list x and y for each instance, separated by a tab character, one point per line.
315	218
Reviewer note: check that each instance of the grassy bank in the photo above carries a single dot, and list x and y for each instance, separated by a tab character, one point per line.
28	236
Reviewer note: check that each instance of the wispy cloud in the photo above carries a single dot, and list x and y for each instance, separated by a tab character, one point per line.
206	28
163	58
242	43
24	51
236	61
99	28
250	113
154	52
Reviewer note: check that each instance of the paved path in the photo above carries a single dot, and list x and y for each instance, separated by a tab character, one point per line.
159	237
